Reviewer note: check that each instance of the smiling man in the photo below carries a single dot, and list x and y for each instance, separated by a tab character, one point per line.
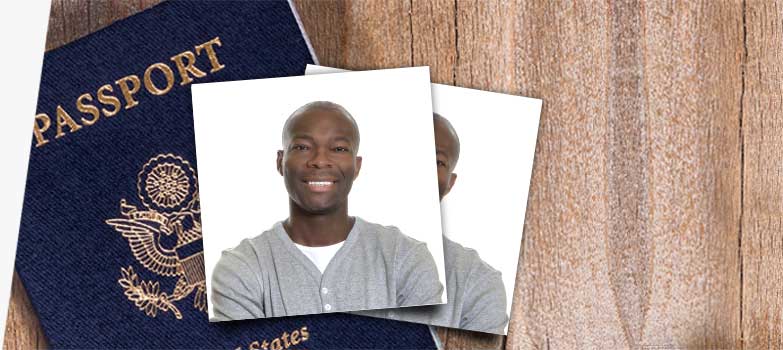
476	294
320	259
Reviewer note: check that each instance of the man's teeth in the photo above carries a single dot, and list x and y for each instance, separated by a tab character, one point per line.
319	183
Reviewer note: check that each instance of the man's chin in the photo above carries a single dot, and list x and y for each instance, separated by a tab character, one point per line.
319	208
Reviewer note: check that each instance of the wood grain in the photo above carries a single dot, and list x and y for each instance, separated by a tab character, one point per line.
693	61
631	239
434	44
762	224
72	19
359	34
654	215
22	329
434	38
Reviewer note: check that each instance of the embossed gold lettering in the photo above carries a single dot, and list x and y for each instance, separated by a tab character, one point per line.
63	118
108	99
285	340
213	60
109	102
39	129
305	333
187	67
150	85
128	91
87	108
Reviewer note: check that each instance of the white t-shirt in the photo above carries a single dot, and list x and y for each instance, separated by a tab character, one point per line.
320	256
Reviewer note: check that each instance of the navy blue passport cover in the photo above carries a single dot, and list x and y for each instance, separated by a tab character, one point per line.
110	245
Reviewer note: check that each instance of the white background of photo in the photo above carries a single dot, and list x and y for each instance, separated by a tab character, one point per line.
238	128
485	209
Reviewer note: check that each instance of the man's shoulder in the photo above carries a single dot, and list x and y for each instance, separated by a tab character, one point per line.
250	247
385	235
464	259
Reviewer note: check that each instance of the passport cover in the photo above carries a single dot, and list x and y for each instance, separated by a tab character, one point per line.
110	245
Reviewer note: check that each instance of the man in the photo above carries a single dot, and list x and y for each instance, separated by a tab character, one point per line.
476	295
320	259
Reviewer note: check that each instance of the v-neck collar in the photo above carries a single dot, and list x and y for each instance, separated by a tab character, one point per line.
353	235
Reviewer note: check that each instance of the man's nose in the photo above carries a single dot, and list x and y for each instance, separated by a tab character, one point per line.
320	159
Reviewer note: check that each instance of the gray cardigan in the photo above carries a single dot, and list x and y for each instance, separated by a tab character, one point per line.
377	267
476	296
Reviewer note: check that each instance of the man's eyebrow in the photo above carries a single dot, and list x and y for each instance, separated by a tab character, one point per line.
441	152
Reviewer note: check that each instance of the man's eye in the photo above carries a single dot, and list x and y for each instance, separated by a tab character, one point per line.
340	149
441	163
299	148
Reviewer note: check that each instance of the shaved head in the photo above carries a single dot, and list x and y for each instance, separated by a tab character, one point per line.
323	106
446	153
444	129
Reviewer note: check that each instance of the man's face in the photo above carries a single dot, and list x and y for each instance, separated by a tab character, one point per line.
319	162
446	153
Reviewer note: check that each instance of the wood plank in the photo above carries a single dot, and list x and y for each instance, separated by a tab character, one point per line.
358	35
762	224
434	36
632	229
22	329
692	61
55	34
103	13
72	19
71	22
458	339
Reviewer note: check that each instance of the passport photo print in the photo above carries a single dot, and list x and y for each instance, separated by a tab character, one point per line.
318	194
485	144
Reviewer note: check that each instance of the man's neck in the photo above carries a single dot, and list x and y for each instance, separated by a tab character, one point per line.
318	230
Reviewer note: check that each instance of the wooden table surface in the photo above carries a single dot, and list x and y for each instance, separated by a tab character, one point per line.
655	217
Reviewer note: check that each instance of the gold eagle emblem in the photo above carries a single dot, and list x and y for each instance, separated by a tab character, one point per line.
164	236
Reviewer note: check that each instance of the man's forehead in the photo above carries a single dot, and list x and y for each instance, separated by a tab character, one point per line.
332	135
320	120
317	121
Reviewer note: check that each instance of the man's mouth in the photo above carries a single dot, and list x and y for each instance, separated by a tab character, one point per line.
320	185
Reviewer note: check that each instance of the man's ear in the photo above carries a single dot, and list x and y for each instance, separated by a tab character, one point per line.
358	167
452	181
280	162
